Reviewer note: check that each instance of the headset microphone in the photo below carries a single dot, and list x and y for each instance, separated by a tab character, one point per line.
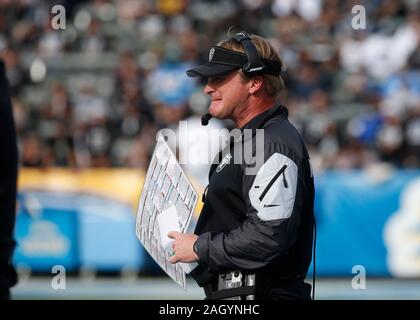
205	119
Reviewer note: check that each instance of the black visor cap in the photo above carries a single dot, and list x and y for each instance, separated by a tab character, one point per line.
222	61
210	70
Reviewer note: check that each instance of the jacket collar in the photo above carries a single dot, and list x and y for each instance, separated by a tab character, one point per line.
261	119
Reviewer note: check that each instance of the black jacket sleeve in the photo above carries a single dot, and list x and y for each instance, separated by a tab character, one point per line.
8	176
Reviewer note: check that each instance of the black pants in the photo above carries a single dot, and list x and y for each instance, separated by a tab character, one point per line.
299	291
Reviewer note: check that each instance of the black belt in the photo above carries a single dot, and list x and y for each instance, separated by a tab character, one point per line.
264	283
228	293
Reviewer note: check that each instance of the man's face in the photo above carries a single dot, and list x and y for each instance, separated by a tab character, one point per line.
228	95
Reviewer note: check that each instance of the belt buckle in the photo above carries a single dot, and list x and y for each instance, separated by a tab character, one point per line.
236	279
229	280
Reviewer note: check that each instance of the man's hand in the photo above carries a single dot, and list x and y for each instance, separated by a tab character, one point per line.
183	247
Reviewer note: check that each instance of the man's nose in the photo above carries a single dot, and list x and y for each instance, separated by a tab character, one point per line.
208	89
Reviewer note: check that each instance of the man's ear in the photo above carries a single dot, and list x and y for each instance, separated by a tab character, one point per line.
256	83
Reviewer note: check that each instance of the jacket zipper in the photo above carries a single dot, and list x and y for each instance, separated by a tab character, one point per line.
270	184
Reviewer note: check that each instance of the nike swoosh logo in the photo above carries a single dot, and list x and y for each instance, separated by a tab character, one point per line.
271	205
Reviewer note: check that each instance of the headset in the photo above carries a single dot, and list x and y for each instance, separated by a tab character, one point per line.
254	65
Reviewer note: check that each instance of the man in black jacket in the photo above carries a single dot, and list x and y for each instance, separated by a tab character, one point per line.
8	176
254	235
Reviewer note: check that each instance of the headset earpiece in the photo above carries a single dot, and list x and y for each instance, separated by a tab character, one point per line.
254	65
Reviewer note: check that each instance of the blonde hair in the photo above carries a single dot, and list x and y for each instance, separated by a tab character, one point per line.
273	84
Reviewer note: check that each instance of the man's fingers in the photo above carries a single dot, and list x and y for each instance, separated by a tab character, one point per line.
173	234
173	259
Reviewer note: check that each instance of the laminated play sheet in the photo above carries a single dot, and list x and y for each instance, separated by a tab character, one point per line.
166	191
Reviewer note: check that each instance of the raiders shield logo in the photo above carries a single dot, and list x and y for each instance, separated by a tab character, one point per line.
224	162
211	54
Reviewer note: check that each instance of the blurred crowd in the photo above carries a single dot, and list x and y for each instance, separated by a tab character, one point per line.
95	93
